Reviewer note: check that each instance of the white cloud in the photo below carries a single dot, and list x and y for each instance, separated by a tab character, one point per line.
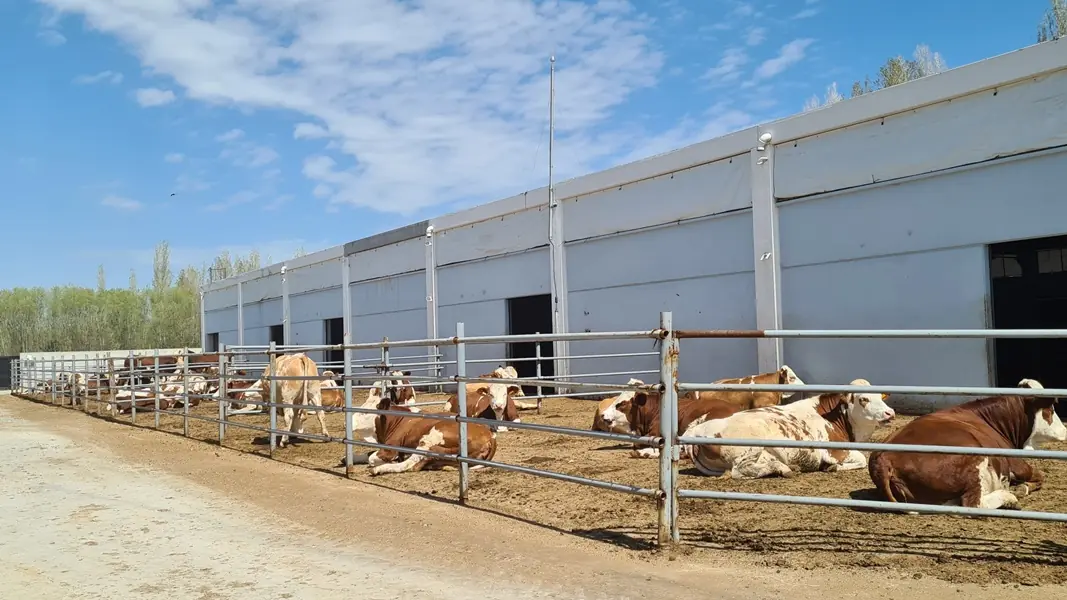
789	55
174	157
309	131
755	36
105	76
191	184
242	197
120	202
230	135
729	66
807	13
743	10
52	37
427	103
148	97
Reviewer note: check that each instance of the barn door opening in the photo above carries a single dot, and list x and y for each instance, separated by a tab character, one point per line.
334	333
277	334
1029	284
528	315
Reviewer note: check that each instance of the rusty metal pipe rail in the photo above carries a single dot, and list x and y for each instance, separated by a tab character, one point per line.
870	333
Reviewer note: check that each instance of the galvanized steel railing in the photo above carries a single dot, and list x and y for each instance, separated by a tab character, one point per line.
29	376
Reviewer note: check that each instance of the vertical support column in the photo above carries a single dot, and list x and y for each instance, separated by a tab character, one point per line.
668	423
768	258
286	326
240	315
222	392
271	409
537	373
203	323
559	290
54	378
346	339
155	387
461	401
133	395
185	405
431	302
385	356
99	382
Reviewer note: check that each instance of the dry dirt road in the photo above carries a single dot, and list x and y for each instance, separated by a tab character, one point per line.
91	509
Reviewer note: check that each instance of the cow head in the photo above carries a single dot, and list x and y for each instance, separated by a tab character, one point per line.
613	417
1047	424
509	372
401	386
865	412
786	376
498	399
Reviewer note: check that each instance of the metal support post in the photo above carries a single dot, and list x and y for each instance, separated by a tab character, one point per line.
240	315
133	395
203	323
185	405
272	410
767	251
155	387
346	339
537	355
222	393
668	371
385	356
461	401
286	325
431	303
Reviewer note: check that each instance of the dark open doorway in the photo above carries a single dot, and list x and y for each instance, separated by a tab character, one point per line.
334	334
277	334
528	315
1029	285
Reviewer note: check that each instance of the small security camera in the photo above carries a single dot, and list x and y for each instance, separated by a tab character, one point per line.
766	138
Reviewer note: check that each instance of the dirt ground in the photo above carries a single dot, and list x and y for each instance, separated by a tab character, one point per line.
954	549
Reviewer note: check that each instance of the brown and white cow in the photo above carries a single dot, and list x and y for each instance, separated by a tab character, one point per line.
363	424
431	435
514	390
306	392
608	417
826	417
972	481
488	401
643	411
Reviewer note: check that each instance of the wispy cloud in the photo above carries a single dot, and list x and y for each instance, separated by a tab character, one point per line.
149	97
755	36
230	135
52	37
729	67
309	131
191	184
242	197
429	103
807	13
120	203
102	76
174	157
743	10
789	55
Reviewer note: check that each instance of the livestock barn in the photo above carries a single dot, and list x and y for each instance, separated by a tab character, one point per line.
934	204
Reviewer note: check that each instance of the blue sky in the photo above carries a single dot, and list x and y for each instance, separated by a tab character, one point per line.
285	123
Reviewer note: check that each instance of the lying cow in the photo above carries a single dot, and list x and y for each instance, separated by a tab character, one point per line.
608	417
363	424
431	435
1001	422
514	390
643	411
489	401
827	417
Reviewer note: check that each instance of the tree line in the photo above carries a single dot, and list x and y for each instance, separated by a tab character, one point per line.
924	62
165	314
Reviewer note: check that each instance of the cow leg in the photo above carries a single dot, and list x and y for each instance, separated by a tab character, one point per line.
764	465
1024	479
412	463
644	452
988	488
852	461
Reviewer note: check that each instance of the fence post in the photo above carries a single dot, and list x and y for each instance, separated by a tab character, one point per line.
54	382
461	401
99	392
385	356
155	386
133	393
222	393
271	409
668	370
346	339
185	386
537	355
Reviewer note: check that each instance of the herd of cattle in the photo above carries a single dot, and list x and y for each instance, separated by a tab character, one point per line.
1003	422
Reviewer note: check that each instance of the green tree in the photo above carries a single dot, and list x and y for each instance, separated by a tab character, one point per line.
101	279
161	275
897	70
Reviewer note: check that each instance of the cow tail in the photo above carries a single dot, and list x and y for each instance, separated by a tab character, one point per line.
884	477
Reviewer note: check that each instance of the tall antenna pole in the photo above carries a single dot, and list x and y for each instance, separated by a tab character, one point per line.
551	123
558	278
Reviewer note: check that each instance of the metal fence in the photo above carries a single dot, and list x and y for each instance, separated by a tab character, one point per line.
187	383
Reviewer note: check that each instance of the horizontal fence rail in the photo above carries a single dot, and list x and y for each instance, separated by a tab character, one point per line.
243	380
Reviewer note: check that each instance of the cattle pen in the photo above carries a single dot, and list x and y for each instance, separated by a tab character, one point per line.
782	522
